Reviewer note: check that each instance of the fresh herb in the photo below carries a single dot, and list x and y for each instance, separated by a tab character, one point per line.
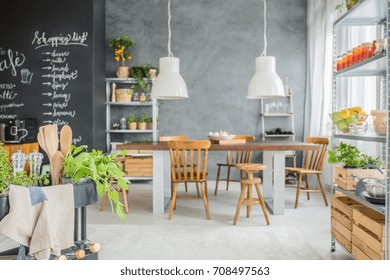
7	177
351	156
5	169
131	119
143	118
100	168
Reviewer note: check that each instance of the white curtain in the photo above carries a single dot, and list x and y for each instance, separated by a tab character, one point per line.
320	18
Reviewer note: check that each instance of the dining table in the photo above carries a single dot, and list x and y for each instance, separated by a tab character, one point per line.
274	158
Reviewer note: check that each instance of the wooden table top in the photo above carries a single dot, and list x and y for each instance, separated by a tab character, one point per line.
279	145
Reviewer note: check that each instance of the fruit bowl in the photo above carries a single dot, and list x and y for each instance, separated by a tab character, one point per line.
351	120
221	135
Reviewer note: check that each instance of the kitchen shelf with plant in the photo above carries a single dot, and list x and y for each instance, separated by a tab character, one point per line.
357	187
365	12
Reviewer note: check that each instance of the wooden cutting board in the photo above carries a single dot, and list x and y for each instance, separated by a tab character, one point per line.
229	142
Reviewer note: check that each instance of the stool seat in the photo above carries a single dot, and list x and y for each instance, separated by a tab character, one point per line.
246	188
250	167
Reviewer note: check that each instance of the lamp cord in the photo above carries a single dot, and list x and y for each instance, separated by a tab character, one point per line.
170	54
264	53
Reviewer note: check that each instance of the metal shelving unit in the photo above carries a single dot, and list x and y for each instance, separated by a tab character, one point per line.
367	12
110	106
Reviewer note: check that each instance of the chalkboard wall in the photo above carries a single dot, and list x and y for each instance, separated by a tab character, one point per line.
47	70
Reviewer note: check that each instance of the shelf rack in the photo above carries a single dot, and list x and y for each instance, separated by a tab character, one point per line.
367	12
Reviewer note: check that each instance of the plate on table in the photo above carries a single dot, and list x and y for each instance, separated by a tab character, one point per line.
221	137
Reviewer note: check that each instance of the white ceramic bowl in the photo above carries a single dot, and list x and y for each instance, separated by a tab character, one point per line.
222	137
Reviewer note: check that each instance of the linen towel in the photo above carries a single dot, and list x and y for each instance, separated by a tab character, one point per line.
47	227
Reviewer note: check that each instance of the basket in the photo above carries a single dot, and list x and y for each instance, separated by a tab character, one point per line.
123	95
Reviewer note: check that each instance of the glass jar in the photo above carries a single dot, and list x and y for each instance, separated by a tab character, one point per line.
345	61
349	58
18	161
35	161
379	46
355	52
380	121
339	63
136	97
142	97
370	49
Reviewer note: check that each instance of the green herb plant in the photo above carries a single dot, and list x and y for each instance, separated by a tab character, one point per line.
100	168
351	157
20	178
5	169
143	118
131	119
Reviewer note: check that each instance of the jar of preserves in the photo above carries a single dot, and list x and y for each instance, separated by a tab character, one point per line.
355	53
349	58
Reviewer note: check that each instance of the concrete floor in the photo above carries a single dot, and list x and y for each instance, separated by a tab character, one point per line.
311	217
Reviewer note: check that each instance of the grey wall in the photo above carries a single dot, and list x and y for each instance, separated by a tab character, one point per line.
217	42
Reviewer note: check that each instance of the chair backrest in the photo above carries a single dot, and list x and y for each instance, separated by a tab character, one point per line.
314	159
172	138
189	159
234	157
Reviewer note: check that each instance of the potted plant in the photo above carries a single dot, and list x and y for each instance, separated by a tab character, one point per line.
349	161
131	122
101	169
142	121
150	122
121	47
351	3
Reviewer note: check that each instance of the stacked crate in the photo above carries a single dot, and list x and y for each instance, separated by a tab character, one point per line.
368	234
341	220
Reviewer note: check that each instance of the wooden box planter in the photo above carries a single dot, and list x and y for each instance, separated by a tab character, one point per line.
139	166
341	220
368	234
343	176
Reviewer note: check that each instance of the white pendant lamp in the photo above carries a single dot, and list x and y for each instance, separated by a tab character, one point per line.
266	82
169	84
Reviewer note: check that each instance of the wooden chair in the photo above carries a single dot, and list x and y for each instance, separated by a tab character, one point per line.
246	188
188	165
120	191
233	158
177	138
313	165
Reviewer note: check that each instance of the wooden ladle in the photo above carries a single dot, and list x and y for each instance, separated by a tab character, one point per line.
65	139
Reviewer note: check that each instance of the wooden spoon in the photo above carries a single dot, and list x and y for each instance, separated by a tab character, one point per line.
65	139
41	142
58	160
51	139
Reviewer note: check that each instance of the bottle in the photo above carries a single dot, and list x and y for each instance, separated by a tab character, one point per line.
122	123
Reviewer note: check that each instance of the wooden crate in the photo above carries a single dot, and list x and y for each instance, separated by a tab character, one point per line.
139	166
341	220
343	176
368	234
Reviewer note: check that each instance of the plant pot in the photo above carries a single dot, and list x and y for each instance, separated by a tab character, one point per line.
132	126
150	125
122	72
142	126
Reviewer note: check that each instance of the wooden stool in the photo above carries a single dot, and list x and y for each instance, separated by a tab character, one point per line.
246	187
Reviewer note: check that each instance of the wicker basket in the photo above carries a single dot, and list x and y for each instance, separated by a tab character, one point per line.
123	95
